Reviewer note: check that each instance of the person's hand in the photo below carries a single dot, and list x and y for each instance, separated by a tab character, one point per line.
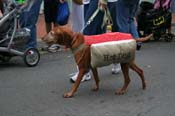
102	4
61	1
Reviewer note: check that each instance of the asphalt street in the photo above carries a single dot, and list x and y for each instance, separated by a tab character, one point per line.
38	91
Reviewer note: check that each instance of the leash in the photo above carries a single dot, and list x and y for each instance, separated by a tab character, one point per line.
107	17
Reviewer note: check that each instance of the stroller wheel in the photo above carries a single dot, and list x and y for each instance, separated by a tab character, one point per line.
169	37
31	57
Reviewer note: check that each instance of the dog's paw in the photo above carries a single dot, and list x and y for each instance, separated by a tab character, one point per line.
95	88
120	92
68	95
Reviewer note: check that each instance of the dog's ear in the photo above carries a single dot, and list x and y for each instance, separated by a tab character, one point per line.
63	35
58	35
78	39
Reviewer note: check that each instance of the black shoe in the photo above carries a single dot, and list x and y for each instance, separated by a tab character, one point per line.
139	46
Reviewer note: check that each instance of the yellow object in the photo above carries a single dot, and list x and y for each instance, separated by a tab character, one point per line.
109	28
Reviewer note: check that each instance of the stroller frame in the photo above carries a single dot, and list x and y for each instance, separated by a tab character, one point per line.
31	56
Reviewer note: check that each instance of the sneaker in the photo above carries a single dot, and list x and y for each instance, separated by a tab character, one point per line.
86	77
116	68
139	46
54	48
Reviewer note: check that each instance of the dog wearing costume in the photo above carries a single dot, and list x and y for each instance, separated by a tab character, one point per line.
86	55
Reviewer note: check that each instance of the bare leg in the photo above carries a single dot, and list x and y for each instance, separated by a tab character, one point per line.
76	84
95	74
55	24
125	70
139	71
48	27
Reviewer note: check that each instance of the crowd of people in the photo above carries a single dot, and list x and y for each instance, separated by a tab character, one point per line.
123	13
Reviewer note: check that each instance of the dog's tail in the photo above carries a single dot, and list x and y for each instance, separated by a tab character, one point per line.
142	39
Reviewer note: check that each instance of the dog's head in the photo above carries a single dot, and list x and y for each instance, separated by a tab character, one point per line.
59	35
63	36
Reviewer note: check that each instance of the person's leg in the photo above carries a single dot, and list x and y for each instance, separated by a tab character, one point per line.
122	17
50	12
48	27
169	24
31	21
47	16
27	22
134	33
77	17
94	27
86	7
87	76
112	9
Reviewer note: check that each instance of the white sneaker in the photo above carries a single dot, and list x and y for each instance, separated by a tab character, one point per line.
54	48
116	68
86	77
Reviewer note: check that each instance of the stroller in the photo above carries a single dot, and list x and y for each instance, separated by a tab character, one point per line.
156	21
13	38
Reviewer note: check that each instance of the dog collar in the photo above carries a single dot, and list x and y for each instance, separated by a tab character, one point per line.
81	46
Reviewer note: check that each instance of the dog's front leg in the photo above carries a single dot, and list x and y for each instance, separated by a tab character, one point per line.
76	84
95	74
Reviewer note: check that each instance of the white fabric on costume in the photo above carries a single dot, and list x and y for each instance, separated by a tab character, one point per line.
103	54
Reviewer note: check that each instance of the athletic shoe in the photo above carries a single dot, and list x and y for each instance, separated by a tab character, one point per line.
116	68
139	46
54	48
86	77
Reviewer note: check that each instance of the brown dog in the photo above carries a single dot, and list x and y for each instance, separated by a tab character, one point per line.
75	41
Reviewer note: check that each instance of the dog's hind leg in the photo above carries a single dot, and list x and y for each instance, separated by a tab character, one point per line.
81	73
139	71
125	70
96	78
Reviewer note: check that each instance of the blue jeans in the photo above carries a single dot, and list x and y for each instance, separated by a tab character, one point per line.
86	7
28	19
125	19
94	27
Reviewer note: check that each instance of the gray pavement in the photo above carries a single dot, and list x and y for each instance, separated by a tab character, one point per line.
38	91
